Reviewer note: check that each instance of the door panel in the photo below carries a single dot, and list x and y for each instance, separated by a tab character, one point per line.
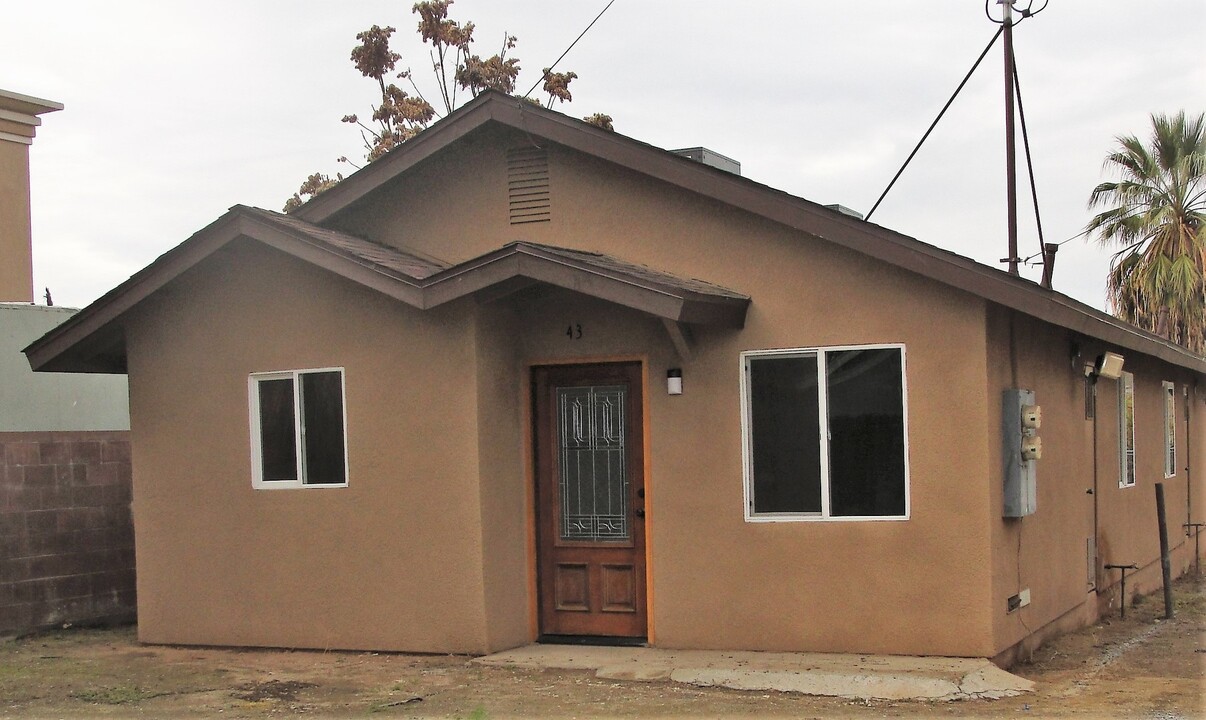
590	500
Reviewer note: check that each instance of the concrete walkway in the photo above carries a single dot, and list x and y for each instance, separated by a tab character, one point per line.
884	677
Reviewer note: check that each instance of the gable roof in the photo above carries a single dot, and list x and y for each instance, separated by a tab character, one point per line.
867	238
93	339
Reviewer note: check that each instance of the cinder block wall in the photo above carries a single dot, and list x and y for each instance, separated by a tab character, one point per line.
66	535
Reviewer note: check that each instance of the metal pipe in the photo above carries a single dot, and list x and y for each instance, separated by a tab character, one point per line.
1123	568
1197	530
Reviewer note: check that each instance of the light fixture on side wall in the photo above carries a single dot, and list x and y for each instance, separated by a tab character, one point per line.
674	381
1109	366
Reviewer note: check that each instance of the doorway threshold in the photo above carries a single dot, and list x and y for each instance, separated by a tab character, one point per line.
597	640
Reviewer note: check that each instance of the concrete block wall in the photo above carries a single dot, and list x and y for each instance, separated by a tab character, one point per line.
66	534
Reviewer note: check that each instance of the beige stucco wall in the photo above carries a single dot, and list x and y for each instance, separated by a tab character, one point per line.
16	259
916	586
431	545
1046	552
393	560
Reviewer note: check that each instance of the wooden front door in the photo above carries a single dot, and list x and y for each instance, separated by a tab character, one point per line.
590	499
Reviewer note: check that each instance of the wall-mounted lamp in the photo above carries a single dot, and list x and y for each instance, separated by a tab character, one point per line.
674	381
1109	366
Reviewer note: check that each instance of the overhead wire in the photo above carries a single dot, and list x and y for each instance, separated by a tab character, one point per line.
934	124
571	47
1061	243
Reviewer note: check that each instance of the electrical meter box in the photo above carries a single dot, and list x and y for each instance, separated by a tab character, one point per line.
1021	449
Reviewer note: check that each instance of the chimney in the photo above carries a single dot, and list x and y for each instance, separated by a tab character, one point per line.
710	158
18	120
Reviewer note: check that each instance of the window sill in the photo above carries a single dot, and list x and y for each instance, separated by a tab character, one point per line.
294	486
785	518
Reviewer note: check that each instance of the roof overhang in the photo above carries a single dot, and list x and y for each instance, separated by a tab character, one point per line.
93	340
863	237
673	303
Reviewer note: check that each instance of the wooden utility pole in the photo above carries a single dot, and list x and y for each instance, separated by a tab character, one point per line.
1165	564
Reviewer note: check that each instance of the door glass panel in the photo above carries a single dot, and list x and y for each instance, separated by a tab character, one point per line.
593	478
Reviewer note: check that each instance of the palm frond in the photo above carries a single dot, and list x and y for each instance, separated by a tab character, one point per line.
1155	213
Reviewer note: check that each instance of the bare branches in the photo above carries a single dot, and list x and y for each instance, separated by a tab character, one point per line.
399	115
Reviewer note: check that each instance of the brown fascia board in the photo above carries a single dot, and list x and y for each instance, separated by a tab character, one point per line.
860	236
93	339
50	353
390	283
348	191
526	261
64	349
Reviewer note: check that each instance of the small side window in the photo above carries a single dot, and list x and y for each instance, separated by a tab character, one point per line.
1170	429
1126	430
298	435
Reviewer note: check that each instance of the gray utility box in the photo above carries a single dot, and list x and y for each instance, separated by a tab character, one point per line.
1021	449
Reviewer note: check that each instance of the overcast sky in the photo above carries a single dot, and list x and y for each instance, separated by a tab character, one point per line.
177	110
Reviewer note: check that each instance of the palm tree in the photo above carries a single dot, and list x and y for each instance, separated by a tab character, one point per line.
1156	221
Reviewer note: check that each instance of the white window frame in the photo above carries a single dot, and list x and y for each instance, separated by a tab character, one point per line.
253	395
1126	388
1169	390
823	411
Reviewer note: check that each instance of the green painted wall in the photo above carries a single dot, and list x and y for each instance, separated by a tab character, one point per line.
32	401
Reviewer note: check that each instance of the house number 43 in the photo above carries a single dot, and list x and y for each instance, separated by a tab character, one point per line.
574	332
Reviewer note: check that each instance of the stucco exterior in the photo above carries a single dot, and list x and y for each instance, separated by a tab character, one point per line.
447	533
1085	520
432	545
18	123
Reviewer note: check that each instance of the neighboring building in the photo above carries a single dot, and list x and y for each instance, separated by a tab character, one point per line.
66	534
18	126
434	410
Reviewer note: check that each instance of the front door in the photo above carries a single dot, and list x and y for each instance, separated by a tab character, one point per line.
590	498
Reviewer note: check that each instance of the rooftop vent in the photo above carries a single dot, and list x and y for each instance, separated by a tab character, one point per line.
711	158
846	211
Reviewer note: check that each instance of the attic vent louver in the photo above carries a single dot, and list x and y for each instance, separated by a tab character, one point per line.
528	185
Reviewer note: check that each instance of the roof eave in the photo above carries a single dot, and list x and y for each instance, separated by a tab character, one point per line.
520	260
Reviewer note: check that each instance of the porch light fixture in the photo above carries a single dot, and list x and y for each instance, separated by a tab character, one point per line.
674	381
1109	366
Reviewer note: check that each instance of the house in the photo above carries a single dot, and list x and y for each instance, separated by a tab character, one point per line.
66	536
525	378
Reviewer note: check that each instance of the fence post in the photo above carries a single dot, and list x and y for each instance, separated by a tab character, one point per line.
1165	566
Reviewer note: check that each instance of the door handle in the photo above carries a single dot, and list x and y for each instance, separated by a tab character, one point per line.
639	513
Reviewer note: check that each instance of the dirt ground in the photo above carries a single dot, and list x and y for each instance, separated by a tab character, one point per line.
1143	667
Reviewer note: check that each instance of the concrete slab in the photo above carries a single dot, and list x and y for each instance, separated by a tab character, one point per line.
881	677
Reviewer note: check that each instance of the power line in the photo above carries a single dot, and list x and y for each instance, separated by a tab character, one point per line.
934	124
571	47
1061	243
